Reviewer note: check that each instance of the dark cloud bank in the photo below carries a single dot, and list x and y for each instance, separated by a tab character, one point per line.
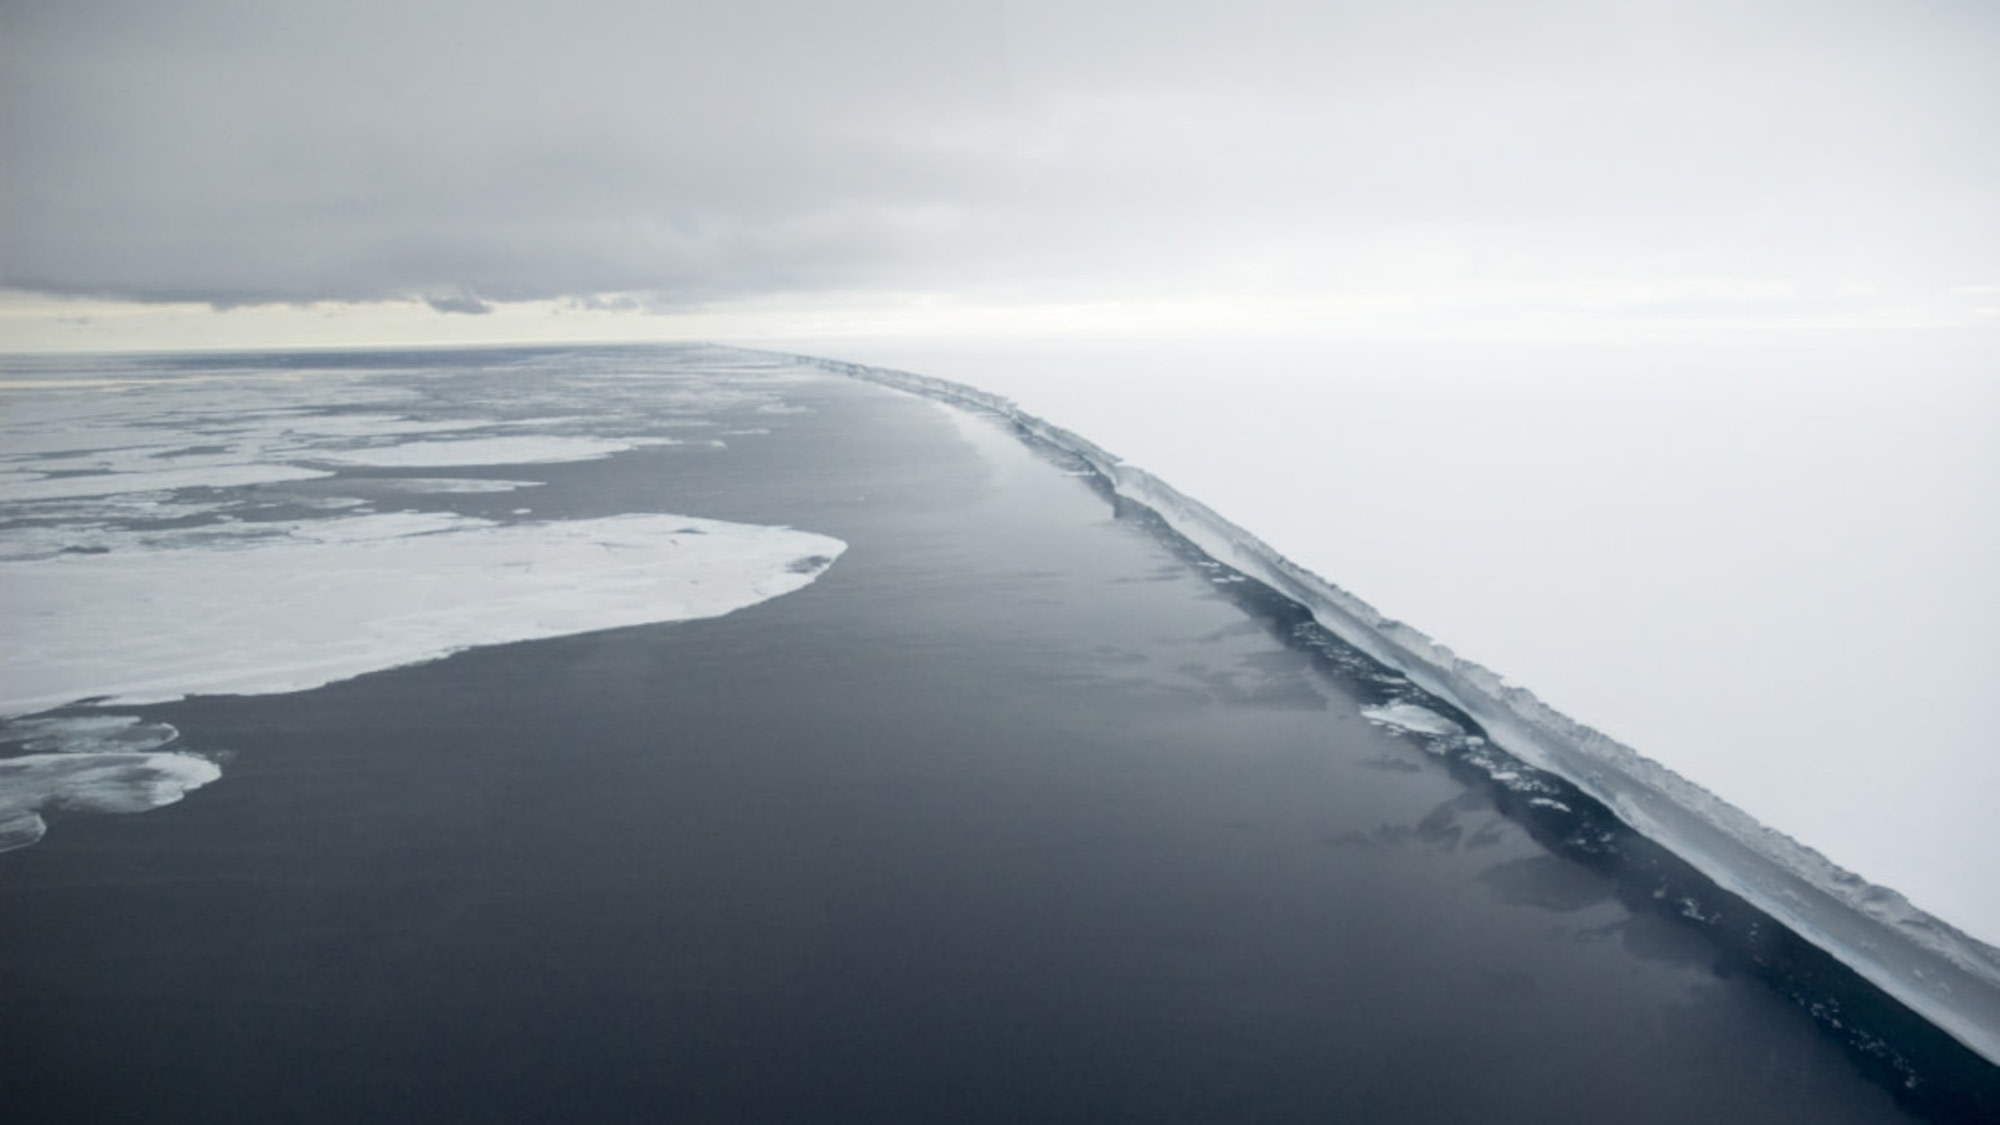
468	153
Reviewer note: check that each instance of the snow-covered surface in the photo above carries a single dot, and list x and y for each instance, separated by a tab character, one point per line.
1438	475
1410	716
335	598
456	484
99	782
190	525
77	734
100	763
518	450
152	480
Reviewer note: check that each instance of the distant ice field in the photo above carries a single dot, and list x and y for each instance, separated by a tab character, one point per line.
201	526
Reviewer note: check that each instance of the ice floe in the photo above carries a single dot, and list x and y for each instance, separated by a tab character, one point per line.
455	484
1412	717
159	480
112	587
77	734
92	763
516	450
99	782
373	425
333	598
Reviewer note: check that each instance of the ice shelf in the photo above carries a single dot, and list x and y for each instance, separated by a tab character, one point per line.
1943	974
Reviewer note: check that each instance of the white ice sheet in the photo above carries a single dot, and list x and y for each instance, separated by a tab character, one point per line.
340	597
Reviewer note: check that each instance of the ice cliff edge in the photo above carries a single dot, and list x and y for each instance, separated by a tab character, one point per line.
1946	976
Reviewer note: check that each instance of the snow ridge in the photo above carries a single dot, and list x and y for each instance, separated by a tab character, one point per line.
1941	973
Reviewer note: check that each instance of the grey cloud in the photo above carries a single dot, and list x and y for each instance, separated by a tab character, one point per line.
241	153
471	306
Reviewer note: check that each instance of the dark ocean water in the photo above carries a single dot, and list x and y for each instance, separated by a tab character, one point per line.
1019	813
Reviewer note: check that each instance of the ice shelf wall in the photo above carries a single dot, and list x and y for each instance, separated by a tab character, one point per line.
1943	974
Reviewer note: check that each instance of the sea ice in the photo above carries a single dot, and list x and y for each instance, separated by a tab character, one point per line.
99	782
372	425
111	587
159	480
333	598
517	450
1410	716
456	484
78	734
27	440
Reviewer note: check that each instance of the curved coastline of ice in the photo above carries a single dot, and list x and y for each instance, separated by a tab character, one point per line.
1943	974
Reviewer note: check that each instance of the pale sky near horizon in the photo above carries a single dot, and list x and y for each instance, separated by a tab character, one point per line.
1078	201
373	172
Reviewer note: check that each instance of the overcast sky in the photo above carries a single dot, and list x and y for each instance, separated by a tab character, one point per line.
1050	177
1825	161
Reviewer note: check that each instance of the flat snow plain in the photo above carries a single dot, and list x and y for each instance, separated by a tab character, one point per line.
1765	564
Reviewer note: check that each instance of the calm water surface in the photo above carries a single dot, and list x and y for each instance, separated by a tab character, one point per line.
1019	813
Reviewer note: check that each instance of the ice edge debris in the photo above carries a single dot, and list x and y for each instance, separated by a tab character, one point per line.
1946	976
